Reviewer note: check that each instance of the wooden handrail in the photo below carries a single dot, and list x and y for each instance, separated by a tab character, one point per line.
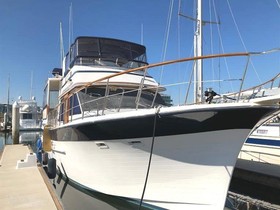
161	64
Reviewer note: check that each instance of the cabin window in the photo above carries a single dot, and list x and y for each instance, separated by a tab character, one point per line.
106	52
93	99
72	55
87	48
67	64
74	105
61	112
53	99
27	116
45	97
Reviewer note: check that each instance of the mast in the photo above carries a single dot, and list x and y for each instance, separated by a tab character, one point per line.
142	32
8	102
31	85
70	27
198	88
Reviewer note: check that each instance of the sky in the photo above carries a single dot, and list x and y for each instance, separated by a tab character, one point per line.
30	34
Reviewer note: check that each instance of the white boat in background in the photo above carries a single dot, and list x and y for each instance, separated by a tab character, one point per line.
29	137
261	151
28	114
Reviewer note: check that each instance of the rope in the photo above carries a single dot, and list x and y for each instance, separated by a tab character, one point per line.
211	41
278	4
267	51
150	158
221	43
167	35
238	31
179	45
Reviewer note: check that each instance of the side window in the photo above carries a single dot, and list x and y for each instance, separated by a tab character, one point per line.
27	116
45	98
53	98
67	64
74	105
61	112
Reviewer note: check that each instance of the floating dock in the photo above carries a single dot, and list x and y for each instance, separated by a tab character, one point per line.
23	184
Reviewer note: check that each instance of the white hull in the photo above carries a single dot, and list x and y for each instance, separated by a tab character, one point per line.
29	125
187	171
261	152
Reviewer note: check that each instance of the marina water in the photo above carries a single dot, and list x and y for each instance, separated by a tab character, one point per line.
75	197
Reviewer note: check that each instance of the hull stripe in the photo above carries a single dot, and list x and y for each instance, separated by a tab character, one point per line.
264	142
176	123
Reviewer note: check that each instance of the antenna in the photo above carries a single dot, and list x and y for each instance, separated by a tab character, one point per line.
70	26
8	100
31	86
61	46
142	32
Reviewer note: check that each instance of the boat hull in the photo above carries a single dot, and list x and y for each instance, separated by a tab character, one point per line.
260	152
186	171
193	153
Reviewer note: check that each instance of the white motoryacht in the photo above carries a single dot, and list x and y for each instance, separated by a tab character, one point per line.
115	135
28	114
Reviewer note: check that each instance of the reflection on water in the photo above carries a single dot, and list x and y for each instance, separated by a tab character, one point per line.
73	197
27	138
5	139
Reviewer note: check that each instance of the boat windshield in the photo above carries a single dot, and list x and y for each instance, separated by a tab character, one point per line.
93	99
105	52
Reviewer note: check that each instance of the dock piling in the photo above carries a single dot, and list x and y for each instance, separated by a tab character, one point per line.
15	123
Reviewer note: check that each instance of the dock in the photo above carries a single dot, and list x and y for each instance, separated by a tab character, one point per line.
23	184
255	185
258	172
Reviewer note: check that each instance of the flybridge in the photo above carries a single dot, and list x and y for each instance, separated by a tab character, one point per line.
105	52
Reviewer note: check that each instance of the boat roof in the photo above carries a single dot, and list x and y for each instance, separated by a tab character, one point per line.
87	46
108	39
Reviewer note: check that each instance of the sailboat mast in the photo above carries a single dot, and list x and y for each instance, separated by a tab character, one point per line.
198	88
31	86
8	102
